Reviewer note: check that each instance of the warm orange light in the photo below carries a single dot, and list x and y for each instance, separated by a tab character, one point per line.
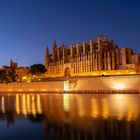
3	105
66	102
24	78
24	109
33	105
17	104
95	109
43	89
119	86
39	108
105	109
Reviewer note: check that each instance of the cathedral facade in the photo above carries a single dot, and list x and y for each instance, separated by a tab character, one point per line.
91	58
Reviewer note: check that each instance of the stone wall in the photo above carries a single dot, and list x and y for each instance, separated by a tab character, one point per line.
81	84
32	87
109	83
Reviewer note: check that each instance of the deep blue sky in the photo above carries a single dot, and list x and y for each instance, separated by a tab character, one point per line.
28	26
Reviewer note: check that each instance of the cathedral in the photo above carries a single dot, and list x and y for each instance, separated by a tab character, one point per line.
96	57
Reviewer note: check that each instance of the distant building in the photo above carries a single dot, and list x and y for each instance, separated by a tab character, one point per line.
13	68
13	65
94	57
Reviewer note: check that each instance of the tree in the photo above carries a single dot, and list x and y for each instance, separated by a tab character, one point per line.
7	76
3	76
37	69
12	76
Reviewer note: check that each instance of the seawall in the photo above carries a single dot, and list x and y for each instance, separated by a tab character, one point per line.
94	84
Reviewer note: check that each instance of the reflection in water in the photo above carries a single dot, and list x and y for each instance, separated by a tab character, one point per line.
66	102
94	108
76	116
2	105
17	104
105	108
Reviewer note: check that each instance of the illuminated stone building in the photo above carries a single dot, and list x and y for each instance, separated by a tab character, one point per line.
91	58
13	68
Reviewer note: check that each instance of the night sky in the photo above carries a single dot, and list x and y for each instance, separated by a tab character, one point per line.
28	26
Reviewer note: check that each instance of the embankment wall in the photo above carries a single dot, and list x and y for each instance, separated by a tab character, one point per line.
77	84
109	83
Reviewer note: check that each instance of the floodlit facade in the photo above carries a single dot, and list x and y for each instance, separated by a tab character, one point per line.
101	57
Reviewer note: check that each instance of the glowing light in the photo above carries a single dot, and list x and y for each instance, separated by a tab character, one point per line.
105	111
31	89
3	105
24	110
24	78
17	104
39	108
28	104
9	90
81	109
43	89
119	86
33	105
66	85
66	102
121	103
95	109
20	90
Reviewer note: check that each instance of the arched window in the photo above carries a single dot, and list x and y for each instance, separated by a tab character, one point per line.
67	72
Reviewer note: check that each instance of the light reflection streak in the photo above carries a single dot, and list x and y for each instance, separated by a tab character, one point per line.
118	106
17	104
105	108
3	105
132	112
33	108
28	104
39	108
80	107
95	109
66	102
24	110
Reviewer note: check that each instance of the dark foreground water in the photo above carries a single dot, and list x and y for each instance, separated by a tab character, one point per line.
69	117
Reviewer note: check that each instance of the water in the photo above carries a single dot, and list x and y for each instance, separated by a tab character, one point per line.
69	117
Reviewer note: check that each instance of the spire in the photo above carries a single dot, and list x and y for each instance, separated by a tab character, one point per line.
47	51
47	59
91	46
99	41
99	38
84	47
106	38
54	44
54	51
11	62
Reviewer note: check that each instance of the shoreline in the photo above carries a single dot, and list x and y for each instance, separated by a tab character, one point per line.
77	92
94	85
